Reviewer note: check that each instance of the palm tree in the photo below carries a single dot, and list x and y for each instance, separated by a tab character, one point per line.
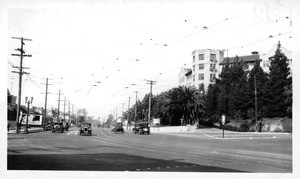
185	101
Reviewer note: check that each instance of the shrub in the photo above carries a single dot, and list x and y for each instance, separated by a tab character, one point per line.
214	118
230	128
287	125
244	127
205	123
277	129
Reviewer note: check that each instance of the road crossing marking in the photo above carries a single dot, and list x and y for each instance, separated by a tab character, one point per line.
73	133
102	133
245	136
209	136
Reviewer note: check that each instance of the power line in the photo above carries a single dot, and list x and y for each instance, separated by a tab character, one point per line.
29	77
250	43
196	32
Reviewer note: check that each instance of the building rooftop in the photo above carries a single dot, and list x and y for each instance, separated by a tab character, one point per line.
248	58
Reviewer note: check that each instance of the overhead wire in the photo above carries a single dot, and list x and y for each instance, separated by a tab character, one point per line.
29	77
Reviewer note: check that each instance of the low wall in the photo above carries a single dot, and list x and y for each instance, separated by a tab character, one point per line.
173	129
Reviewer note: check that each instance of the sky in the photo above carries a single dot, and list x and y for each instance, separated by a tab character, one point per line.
99	52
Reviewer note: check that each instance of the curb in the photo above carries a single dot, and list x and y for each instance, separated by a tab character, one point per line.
29	131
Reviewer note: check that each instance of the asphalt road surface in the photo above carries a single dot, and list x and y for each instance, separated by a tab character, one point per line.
204	151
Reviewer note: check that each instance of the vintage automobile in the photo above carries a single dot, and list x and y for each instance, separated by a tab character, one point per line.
118	127
58	126
141	128
85	128
66	126
48	126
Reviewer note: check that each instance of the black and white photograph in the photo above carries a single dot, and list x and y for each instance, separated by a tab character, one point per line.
149	88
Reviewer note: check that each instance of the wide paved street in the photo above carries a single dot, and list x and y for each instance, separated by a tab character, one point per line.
204	151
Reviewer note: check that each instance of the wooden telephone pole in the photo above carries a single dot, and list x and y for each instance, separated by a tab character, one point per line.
46	97
150	97
20	72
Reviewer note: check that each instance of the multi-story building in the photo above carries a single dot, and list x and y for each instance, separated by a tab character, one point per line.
249	59
265	59
207	65
205	68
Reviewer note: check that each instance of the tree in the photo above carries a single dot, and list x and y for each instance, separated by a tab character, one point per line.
262	82
211	99
232	87
237	89
279	85
185	101
109	119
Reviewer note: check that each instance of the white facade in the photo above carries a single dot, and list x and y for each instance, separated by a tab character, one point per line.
205	67
265	63
185	77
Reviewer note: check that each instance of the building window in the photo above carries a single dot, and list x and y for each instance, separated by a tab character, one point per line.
212	77
193	58
193	77
201	66
201	77
201	56
212	67
193	67
213	57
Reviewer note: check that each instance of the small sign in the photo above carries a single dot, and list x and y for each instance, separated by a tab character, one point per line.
223	119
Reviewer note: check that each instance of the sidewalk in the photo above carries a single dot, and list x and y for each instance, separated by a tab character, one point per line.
30	130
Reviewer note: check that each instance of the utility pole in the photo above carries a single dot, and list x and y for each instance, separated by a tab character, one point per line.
135	110
46	96
128	111
69	113
150	96
73	113
64	120
20	72
255	93
58	104
11	83
116	114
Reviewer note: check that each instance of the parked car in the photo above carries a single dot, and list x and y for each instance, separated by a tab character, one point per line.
58	126
85	128
48	126
118	127
141	128
66	126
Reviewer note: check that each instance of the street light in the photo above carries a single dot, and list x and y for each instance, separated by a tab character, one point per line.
28	102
